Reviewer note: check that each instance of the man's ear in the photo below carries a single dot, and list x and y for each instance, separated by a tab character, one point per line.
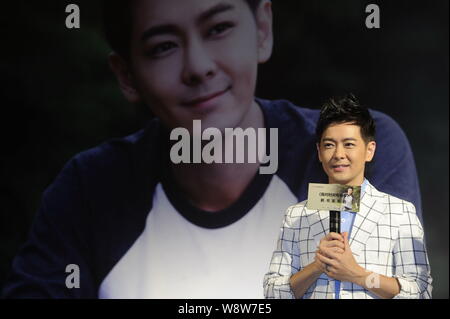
124	76
265	32
370	151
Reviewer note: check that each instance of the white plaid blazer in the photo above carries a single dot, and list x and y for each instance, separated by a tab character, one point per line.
386	238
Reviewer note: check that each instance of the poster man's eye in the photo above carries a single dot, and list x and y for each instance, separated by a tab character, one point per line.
220	28
162	48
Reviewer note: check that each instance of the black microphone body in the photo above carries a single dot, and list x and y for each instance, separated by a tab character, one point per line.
335	221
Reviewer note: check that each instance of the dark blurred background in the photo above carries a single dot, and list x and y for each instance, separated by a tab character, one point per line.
59	97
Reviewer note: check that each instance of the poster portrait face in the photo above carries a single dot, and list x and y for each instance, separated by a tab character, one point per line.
196	60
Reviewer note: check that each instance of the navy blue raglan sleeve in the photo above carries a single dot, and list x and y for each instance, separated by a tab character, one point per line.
393	170
58	238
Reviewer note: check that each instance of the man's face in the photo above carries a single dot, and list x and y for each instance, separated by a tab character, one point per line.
343	154
196	59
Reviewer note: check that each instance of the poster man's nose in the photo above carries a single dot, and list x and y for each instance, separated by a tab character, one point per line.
198	64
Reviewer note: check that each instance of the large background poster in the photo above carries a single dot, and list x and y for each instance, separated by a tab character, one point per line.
59	96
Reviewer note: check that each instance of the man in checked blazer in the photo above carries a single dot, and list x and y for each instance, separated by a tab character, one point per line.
384	256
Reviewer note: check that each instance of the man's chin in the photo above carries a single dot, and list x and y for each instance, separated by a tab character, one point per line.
340	180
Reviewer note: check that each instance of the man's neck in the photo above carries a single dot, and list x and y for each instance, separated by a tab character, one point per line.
216	186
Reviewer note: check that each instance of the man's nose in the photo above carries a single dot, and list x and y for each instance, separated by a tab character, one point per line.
339	152
199	65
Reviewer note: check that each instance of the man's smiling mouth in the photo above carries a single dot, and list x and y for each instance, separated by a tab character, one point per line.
340	167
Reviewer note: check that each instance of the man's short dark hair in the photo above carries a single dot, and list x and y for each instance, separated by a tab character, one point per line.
346	109
117	24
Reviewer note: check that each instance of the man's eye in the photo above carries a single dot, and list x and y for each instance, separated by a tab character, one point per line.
349	145
328	145
220	28
161	49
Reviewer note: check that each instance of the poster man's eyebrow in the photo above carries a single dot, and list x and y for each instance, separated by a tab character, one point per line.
158	30
219	8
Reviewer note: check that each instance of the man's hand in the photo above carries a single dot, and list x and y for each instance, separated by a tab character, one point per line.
339	262
318	265
332	242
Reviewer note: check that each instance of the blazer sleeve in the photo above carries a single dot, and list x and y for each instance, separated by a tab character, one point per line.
285	261
412	268
57	239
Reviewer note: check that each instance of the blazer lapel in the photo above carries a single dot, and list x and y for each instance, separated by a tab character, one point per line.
319	223
371	209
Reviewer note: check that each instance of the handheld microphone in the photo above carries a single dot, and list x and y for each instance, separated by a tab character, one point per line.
335	221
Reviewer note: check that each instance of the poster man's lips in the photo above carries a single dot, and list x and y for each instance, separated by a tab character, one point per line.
205	98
